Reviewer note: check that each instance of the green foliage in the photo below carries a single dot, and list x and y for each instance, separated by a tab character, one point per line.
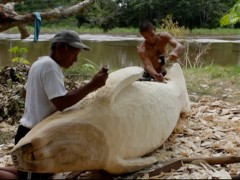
88	68
42	5
173	27
109	14
19	52
20	60
216	31
101	14
85	70
232	17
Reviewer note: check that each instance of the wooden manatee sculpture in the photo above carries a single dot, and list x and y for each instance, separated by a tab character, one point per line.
110	129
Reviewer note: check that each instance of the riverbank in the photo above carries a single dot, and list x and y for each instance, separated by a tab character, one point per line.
130	31
204	38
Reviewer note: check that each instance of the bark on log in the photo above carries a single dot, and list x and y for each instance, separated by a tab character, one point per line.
214	160
177	163
54	14
167	167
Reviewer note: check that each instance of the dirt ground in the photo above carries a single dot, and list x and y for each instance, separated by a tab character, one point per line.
209	133
211	130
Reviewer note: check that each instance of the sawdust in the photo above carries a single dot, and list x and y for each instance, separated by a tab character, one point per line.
210	130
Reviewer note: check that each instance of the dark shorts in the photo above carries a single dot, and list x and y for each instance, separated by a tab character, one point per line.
148	76
21	132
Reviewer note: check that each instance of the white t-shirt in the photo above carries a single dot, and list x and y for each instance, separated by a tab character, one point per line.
45	82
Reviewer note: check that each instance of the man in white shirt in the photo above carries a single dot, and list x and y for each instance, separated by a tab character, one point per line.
45	92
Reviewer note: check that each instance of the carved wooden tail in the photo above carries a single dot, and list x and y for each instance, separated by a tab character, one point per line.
176	75
117	81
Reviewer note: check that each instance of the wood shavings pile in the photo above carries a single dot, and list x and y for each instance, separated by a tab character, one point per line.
212	129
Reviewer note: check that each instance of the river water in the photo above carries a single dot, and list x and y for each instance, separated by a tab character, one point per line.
121	51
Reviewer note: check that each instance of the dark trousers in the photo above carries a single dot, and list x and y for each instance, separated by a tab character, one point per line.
21	132
148	76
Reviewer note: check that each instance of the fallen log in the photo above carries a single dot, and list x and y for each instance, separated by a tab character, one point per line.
213	160
166	167
175	164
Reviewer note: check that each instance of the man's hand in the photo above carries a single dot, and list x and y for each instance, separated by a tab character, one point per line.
159	77
172	57
100	78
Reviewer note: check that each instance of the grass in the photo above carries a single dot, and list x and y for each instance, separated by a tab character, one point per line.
216	31
213	80
55	28
217	81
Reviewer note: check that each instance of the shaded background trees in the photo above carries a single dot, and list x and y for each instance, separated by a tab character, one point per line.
107	14
188	13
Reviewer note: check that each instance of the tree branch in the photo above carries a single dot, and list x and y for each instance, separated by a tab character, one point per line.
21	20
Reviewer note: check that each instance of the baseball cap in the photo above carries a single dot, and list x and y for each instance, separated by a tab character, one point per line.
71	38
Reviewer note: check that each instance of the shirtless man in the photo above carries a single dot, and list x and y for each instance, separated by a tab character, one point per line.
153	47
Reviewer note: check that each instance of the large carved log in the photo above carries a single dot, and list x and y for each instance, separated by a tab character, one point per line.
111	129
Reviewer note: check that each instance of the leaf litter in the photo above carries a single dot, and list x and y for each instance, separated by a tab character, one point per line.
211	129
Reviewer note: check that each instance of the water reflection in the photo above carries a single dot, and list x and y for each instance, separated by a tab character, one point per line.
114	53
122	52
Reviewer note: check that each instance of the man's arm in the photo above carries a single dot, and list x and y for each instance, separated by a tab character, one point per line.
74	96
148	64
177	48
